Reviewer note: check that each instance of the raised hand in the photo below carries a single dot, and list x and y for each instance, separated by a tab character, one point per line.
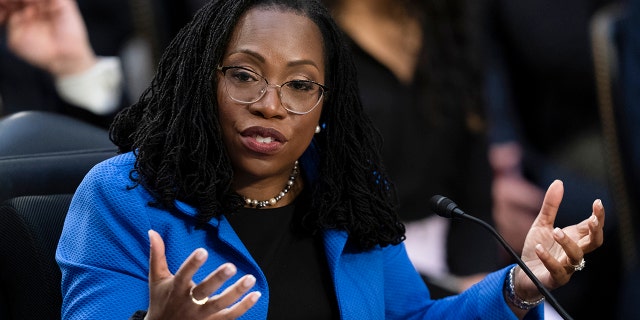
554	254
49	34
178	297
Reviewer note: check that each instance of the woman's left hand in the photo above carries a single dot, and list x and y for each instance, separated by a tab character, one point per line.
555	254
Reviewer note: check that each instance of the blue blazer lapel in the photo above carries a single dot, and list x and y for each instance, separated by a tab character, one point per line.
358	277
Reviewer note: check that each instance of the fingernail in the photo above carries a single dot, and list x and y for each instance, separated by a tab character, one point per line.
558	233
600	205
539	248
249	281
595	221
255	296
200	254
229	270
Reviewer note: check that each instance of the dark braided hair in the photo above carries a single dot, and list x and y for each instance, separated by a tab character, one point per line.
175	133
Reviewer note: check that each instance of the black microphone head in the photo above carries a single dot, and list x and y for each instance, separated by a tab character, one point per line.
443	206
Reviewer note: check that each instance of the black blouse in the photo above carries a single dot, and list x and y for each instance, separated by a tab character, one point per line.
292	259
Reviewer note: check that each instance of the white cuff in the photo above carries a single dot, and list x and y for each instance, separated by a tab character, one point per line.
98	89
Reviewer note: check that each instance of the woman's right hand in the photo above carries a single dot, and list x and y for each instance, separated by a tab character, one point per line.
175	296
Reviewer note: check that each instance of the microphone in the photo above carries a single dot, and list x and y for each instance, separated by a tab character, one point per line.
446	208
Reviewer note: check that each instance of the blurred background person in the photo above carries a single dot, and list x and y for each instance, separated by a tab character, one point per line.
615	35
421	85
86	59
62	56
544	124
629	57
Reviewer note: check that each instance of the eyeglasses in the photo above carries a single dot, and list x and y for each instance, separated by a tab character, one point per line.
296	96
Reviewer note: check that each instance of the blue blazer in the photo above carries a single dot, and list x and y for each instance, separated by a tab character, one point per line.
104	257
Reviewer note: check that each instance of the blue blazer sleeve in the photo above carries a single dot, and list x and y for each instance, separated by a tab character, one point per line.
383	284
406	295
103	250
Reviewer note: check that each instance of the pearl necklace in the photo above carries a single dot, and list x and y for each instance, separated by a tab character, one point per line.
265	203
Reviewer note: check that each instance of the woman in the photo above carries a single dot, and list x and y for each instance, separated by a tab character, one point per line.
322	240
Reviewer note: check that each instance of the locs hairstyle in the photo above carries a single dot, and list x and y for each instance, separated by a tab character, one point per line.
175	132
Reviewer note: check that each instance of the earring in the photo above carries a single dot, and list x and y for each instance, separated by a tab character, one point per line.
318	129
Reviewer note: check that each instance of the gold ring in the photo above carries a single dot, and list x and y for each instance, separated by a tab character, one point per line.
579	266
197	301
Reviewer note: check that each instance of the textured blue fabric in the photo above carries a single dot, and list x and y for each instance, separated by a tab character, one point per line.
104	250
